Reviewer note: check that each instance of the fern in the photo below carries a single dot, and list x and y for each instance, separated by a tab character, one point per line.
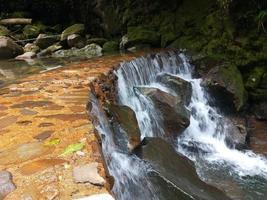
262	18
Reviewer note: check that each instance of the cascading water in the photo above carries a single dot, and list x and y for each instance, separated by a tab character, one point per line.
219	165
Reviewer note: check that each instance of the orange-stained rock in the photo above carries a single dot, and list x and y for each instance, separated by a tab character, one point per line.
39	165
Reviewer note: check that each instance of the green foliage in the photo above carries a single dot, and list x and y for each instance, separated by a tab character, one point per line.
262	18
224	4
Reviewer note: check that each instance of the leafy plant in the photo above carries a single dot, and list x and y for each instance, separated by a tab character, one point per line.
224	4
262	18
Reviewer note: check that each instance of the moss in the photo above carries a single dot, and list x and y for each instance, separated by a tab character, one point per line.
31	31
188	42
142	35
99	41
111	46
74	29
254	78
3	31
234	83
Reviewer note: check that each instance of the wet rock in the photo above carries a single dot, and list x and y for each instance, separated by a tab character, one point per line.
8	48
23	152
66	117
226	85
88	51
124	41
74	29
99	41
236	132
182	88
46	124
43	40
175	116
26	56
110	46
44	135
51	49
6	183
178	170
260	110
40	165
126	117
88	174
141	35
76	40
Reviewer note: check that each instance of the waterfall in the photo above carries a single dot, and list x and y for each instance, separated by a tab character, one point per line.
206	132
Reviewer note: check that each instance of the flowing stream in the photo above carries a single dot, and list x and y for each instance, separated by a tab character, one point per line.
241	174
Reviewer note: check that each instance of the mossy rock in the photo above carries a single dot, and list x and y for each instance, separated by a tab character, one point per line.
187	42
254	78
4	31
141	35
167	38
111	46
99	41
225	82
74	29
31	31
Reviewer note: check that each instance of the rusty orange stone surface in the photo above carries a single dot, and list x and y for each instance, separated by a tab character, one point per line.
53	102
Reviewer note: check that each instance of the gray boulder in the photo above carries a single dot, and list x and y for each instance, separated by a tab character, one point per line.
43	40
8	48
182	88
74	29
175	116
178	170
48	51
126	117
76	40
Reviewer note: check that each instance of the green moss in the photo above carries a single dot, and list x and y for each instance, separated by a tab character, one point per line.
254	78
74	29
3	31
111	46
142	35
31	31
259	95
233	81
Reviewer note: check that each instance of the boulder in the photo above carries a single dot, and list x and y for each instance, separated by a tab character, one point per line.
74	29
126	118
8	48
141	35
6	183
111	46
178	170
175	116
31	31
181	87
43	40
99	41
29	47
26	56
4	31
48	51
76	40
92	50
225	83
236	132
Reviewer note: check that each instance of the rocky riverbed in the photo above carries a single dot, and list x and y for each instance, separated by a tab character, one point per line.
47	141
